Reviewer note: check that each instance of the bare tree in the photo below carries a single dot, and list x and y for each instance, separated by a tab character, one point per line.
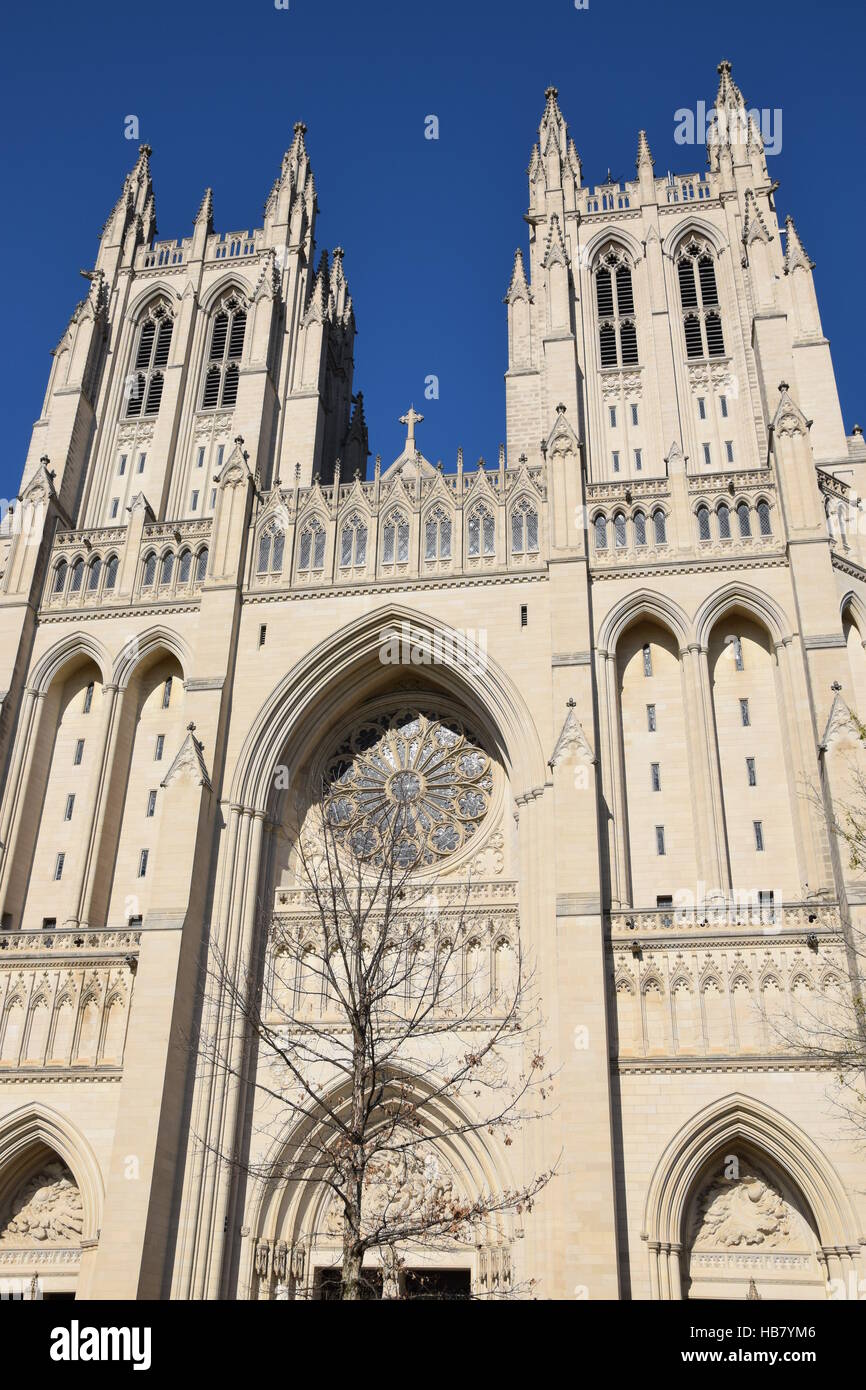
831	1029
379	1033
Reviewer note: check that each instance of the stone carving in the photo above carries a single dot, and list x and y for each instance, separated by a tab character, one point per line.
748	1211
47	1211
400	1187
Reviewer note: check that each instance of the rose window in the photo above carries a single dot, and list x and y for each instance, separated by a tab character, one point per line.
419	782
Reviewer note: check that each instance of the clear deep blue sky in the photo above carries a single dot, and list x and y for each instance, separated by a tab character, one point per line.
429	227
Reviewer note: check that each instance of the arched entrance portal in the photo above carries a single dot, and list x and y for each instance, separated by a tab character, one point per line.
740	1197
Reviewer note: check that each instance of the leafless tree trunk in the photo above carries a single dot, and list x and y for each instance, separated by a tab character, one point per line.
379	1032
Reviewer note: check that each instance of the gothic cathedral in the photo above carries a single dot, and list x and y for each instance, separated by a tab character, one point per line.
646	618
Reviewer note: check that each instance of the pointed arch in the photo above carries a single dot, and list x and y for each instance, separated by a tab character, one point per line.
67	649
644	604
144	644
37	1124
696	226
757	605
336	664
737	1118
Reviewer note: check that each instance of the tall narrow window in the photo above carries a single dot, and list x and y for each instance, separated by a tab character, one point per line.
647	659
619	536
600	526
142	863
708	457
481	533
437	535
744	519
616	460
703	523
764	525
737	652
634	415
655	777
312	548
201	566
759	835
617	334
751	774
272	544
353	542
58	866
78	755
151	804
639	528
651	718
220	387
702	408
166	693
660	527
729	450
723	406
77	579
724	516
660	839
88	697
144	384
702	324
638	460
745	718
524	529
159	748
70	806
612	410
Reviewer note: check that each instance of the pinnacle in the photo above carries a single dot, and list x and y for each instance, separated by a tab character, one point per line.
644	153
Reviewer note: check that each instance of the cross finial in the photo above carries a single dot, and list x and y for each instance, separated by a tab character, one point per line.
410	420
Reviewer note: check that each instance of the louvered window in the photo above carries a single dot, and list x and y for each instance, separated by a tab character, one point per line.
699	297
144	386
614	295
221	378
694	342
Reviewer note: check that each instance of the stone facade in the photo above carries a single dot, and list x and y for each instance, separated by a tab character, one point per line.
650	611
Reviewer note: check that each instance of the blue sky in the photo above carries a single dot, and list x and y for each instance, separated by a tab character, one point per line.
429	227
